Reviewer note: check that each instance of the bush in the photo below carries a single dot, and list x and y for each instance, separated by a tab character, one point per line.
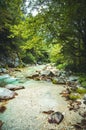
29	58
83	84
82	78
62	66
81	90
74	96
55	54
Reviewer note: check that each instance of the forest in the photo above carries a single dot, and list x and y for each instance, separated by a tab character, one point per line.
40	31
43	64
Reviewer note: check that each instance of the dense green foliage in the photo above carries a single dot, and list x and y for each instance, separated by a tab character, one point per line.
66	22
10	14
57	33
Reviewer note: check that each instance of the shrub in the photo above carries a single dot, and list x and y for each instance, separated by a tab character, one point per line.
62	66
81	90
29	58
74	96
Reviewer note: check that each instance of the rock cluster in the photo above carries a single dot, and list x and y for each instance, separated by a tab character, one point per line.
50	73
7	87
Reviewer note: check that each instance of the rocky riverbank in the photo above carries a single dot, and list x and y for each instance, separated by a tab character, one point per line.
46	89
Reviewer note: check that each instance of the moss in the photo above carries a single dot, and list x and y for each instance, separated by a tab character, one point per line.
81	90
74	96
54	81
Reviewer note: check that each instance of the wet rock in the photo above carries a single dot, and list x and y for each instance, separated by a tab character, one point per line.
14	87
6	94
56	117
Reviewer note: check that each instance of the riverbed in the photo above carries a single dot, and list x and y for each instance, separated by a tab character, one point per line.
25	111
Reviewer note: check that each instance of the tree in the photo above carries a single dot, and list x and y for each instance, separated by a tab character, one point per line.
66	21
10	14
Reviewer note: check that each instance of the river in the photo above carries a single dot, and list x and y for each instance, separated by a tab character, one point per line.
25	111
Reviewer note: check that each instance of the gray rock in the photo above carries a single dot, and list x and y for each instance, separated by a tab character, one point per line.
45	73
33	75
6	93
73	78
3	70
56	117
14	87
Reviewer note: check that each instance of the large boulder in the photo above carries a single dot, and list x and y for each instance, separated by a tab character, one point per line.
6	94
11	60
14	87
3	70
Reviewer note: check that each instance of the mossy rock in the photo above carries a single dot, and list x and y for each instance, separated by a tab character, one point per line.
54	81
74	96
81	90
